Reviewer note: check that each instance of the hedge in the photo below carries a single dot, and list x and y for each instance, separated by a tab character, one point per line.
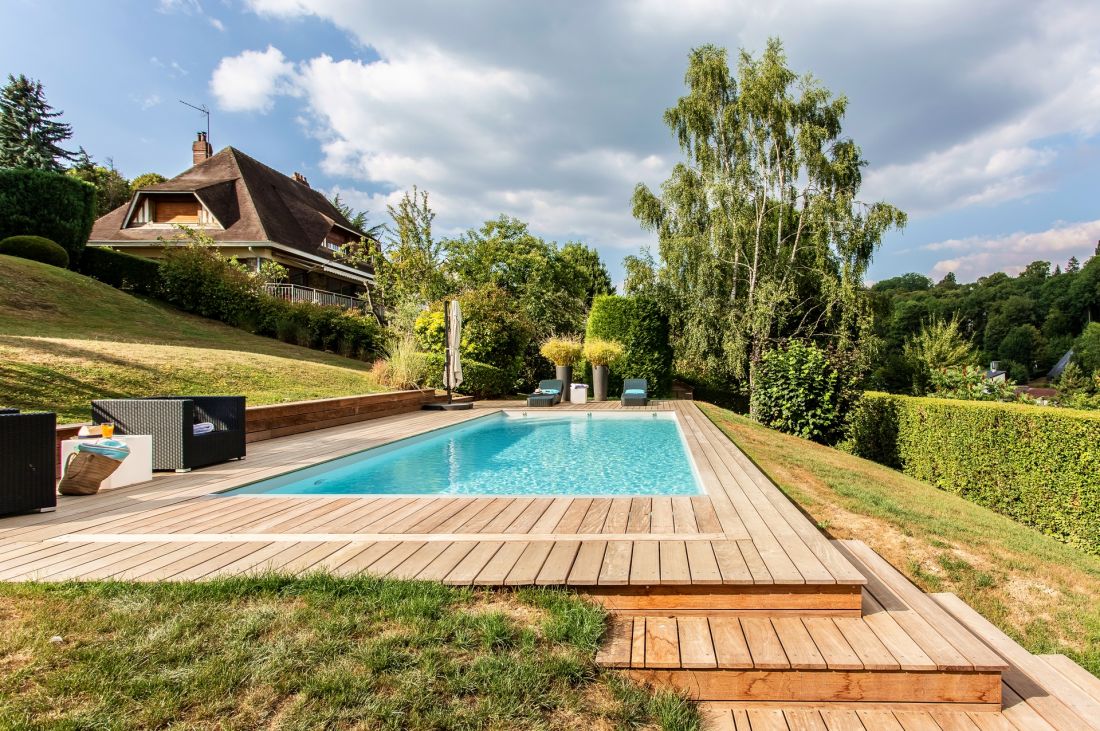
642	328
54	206
478	379
122	271
1038	465
35	248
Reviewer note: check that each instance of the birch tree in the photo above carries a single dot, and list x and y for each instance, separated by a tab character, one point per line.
761	235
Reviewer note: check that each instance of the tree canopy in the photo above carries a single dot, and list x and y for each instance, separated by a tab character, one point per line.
30	131
761	233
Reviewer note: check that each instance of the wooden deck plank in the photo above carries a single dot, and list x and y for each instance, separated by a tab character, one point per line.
447	560
526	569
696	647
615	570
674	562
617	516
555	571
764	645
730	648
500	565
615	650
645	563
798	646
471	565
830	642
589	561
865	643
702	563
662	644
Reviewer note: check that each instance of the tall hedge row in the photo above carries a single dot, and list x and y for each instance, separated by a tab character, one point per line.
642	328
1037	465
53	206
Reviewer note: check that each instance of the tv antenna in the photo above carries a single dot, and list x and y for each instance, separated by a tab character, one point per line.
202	110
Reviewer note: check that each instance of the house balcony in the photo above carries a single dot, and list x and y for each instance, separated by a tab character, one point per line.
298	293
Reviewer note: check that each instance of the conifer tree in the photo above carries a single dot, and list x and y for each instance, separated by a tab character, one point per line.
30	131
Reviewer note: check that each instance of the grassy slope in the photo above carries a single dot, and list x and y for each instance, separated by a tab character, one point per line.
310	653
1042	592
66	339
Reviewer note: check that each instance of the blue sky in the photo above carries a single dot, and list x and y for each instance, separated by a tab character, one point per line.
981	121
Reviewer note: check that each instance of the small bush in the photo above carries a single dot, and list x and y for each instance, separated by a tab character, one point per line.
800	390
598	351
405	366
562	351
122	271
54	206
1038	465
35	248
641	327
478	379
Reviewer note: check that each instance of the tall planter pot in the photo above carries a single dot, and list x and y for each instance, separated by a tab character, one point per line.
599	382
565	375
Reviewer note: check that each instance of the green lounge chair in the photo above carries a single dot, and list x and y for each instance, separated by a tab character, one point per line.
550	393
635	392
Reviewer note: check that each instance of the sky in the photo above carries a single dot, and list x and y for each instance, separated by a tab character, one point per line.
980	119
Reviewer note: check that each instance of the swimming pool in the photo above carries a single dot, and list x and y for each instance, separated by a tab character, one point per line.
512	453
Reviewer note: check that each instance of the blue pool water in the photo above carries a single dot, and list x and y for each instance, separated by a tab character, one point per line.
508	453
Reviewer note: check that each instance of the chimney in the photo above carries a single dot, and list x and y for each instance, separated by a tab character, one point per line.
200	149
995	365
299	178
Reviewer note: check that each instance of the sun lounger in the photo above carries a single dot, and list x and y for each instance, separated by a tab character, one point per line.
635	392
548	393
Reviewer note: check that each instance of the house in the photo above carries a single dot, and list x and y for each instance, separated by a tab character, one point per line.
995	373
252	212
1060	366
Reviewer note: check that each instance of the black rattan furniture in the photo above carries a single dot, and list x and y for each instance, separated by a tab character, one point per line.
171	420
28	462
635	392
550	394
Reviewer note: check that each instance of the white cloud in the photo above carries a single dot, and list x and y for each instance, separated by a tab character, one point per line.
250	81
552	112
981	255
216	24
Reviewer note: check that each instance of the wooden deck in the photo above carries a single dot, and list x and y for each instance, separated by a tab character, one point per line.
742	546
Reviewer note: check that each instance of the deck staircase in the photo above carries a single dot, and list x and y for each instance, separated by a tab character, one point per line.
907	660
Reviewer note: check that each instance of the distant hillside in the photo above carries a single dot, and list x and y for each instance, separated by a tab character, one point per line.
66	339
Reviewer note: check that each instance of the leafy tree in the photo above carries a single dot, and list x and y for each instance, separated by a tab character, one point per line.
359	220
1073	266
911	282
30	133
1072	380
761	234
948	282
111	188
587	266
1086	349
415	257
939	344
146	180
1024	344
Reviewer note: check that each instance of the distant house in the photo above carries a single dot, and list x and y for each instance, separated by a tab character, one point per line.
254	213
995	373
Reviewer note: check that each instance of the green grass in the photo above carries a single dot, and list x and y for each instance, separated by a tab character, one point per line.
66	339
1043	593
307	653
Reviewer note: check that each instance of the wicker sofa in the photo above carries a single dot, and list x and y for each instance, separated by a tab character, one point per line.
28	462
171	420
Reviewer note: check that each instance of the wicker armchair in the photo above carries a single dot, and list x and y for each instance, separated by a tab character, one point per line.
28	462
170	420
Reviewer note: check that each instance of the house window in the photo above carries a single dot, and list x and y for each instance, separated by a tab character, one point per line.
176	211
331	245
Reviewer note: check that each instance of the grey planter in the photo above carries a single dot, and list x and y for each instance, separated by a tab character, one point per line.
599	383
565	375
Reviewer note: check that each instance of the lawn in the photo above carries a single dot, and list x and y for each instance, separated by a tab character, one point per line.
308	653
1043	593
66	339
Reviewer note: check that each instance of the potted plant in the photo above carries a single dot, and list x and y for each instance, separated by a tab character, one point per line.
601	354
564	354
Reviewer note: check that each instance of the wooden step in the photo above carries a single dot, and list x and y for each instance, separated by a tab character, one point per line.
755	716
824	599
1063	694
794	658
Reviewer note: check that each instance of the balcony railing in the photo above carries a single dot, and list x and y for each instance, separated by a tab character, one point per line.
298	293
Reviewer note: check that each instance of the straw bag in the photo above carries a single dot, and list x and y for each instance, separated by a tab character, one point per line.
85	471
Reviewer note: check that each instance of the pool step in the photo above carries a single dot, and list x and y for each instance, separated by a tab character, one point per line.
729	599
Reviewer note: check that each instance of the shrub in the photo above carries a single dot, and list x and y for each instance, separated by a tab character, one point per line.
35	248
198	279
970	384
641	327
598	351
1086	349
562	351
799	390
478	379
122	271
54	206
1037	465
406	367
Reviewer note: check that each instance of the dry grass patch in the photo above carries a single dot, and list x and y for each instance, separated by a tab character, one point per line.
1042	592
